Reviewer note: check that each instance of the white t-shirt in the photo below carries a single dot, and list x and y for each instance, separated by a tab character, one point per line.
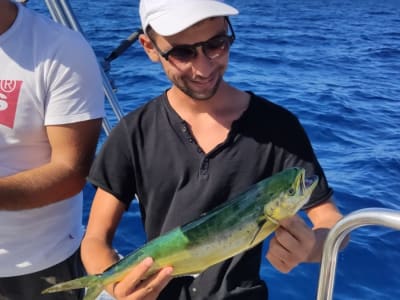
48	75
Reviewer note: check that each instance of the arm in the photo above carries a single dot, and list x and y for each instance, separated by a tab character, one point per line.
105	215
294	242
72	150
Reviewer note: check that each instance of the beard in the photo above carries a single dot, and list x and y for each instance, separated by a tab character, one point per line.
205	95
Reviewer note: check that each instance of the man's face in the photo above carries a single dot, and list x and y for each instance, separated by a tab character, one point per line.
200	76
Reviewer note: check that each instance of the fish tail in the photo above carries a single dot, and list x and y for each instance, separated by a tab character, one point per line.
93	283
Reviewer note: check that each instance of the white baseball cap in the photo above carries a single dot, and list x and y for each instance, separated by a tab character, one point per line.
168	17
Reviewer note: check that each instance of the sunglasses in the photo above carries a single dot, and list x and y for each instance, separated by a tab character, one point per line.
212	48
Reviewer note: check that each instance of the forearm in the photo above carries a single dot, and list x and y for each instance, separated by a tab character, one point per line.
72	150
40	186
104	258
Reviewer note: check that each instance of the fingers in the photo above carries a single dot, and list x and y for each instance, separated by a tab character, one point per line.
292	244
280	257
294	234
129	282
151	287
132	286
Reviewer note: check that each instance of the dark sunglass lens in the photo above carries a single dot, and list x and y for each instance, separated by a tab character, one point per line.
183	53
216	47
219	42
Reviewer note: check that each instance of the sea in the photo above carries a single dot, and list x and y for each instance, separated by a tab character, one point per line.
336	65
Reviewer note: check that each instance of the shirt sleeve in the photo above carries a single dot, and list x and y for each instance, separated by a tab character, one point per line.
73	79
113	169
301	154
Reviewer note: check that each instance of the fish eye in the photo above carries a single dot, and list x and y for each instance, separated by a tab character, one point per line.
291	191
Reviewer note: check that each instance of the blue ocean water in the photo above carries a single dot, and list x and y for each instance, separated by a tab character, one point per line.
336	65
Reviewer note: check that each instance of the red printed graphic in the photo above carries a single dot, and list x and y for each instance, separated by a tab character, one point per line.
9	94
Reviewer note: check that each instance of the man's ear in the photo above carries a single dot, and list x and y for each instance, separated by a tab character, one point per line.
148	47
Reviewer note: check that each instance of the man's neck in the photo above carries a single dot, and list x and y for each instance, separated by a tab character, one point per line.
227	100
8	14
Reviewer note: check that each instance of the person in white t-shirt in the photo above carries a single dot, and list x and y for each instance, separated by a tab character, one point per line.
51	108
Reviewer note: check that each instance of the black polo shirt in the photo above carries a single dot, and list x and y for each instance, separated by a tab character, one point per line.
152	154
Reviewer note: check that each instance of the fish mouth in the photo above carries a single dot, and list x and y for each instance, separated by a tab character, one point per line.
308	184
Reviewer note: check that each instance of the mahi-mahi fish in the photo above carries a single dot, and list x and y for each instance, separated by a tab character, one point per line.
229	229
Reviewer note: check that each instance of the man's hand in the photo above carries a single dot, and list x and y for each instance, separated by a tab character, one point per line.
292	244
133	288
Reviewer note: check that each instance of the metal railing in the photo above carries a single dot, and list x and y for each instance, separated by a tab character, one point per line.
61	12
363	217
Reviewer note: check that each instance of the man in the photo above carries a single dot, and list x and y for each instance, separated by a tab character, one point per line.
51	107
198	144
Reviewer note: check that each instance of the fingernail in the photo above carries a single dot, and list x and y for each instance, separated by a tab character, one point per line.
148	261
168	270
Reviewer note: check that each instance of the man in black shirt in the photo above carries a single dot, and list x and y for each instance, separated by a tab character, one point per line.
199	144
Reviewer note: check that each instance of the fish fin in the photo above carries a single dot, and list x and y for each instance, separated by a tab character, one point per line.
78	283
260	225
271	219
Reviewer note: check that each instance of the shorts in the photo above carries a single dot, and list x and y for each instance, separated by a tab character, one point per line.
30	286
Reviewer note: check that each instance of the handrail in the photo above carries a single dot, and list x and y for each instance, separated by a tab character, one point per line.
61	12
363	217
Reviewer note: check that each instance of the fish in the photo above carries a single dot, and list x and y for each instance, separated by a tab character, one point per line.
234	226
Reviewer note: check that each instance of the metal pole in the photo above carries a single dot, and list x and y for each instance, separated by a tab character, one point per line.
363	217
61	12
57	13
66	8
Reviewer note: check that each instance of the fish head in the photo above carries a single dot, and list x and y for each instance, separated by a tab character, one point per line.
287	192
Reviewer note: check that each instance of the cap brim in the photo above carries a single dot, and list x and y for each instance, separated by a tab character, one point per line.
180	18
